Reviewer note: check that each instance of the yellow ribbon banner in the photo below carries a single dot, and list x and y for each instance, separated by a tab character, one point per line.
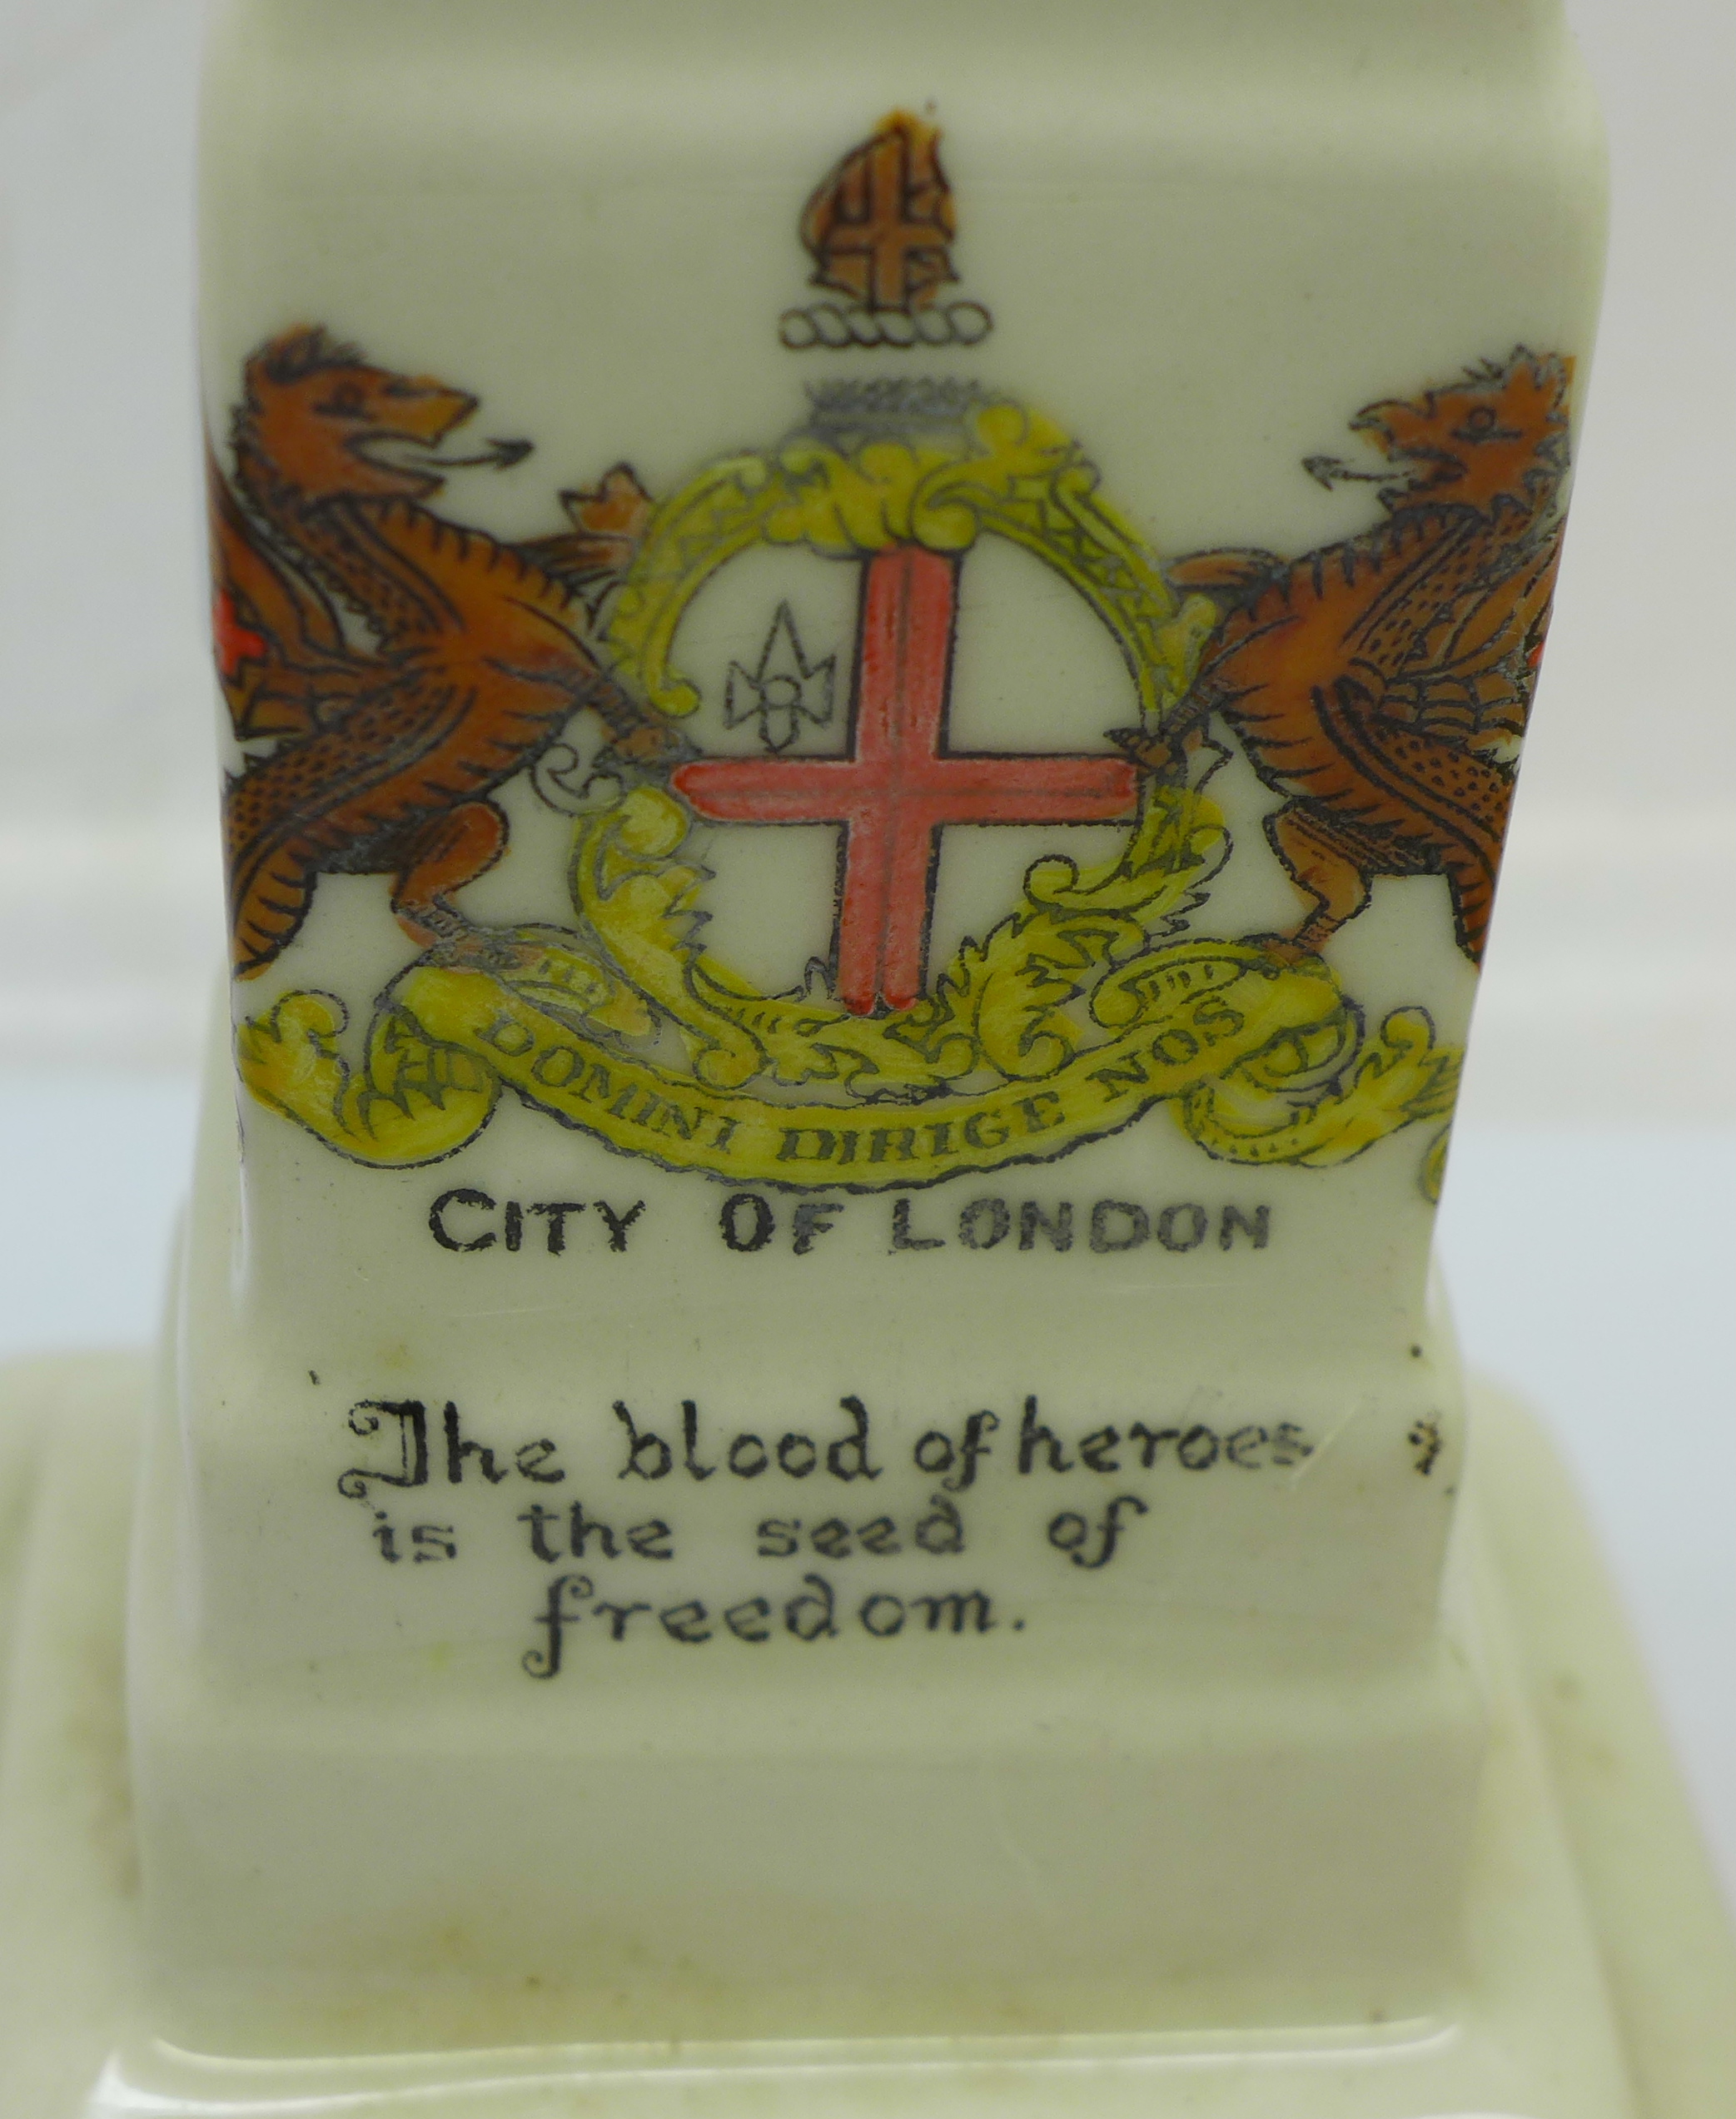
1226	1036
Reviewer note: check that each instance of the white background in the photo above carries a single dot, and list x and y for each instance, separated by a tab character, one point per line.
1588	1230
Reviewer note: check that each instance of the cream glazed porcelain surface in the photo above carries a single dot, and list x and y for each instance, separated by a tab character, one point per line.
873	671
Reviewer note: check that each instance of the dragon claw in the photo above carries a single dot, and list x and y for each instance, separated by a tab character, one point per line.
1281	948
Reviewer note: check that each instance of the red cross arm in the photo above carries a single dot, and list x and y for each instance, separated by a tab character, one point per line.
771	790
900	785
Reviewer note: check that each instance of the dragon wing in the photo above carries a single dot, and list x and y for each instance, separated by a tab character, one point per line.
281	652
1469	678
608	527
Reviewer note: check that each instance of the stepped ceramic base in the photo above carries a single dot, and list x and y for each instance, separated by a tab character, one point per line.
1598	1978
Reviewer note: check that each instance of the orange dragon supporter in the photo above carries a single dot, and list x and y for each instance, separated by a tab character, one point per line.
1381	684
477	651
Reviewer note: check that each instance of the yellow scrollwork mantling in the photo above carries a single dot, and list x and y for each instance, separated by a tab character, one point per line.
1013	473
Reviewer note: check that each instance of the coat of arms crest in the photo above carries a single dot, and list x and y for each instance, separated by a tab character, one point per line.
879	228
1379	686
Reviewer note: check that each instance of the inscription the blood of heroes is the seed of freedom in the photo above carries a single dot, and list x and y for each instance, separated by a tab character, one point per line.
600	1556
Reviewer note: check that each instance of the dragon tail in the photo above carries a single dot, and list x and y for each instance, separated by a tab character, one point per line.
1471	871
269	902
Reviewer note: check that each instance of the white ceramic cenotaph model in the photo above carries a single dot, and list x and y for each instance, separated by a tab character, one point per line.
875	663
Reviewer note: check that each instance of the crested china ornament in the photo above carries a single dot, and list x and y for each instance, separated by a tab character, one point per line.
874	670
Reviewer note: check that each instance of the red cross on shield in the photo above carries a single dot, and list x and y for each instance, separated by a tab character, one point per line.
899	786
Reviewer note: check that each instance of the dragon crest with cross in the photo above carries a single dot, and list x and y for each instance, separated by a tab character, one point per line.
389	669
